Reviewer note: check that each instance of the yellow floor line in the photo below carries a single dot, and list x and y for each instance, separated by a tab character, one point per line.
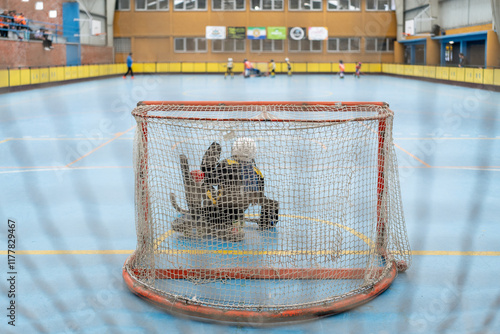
236	252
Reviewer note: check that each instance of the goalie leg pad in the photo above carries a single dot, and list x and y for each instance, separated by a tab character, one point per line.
269	213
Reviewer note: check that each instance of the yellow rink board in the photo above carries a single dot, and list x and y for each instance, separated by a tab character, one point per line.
325	67
469	75
313	67
162	68
149	68
478	75
44	75
372	68
496	77
4	78
25	76
488	76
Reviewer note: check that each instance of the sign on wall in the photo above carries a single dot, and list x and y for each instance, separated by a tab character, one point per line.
236	32
215	32
297	33
317	33
276	32
256	33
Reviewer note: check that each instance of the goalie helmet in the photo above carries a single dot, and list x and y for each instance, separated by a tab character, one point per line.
244	148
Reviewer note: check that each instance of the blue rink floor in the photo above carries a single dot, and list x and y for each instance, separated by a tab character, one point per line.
67	182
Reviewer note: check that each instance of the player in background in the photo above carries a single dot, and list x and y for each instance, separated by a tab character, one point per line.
289	66
272	68
247	68
229	68
341	69
130	61
358	70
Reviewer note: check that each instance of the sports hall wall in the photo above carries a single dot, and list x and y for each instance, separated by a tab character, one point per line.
152	33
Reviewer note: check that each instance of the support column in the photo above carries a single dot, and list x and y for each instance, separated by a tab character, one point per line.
434	53
110	17
400	18
434	12
492	49
495	10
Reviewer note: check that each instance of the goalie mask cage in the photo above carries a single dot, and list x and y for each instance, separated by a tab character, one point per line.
340	236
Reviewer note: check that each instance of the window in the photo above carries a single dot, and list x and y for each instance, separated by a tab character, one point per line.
122	45
151	4
305	5
380	5
267	45
228	4
122	5
228	45
304	45
343	44
190	44
344	5
266	5
190	4
379	44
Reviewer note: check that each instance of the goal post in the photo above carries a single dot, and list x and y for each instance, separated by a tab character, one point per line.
265	212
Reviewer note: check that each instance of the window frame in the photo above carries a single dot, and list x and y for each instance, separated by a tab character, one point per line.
122	38
267	10
338	44
151	10
389	40
117	6
191	10
376	6
228	51
304	10
261	44
196	40
310	46
229	10
345	10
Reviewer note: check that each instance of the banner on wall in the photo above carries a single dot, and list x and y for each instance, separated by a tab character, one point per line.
236	32
317	33
276	32
215	32
256	33
297	33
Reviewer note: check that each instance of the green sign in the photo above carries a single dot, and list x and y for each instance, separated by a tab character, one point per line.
236	32
276	33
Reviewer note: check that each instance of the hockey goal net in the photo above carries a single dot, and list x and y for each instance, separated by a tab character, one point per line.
265	212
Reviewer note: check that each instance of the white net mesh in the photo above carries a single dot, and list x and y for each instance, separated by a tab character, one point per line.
266	207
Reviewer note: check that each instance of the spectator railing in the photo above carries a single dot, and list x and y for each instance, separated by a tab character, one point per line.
27	31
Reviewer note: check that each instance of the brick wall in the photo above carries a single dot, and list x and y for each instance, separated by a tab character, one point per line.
30	54
97	55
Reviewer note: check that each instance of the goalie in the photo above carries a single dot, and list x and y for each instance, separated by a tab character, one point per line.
219	194
241	184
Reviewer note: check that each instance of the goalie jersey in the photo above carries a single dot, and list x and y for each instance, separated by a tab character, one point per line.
241	182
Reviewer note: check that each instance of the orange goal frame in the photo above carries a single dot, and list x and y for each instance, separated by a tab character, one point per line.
388	273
